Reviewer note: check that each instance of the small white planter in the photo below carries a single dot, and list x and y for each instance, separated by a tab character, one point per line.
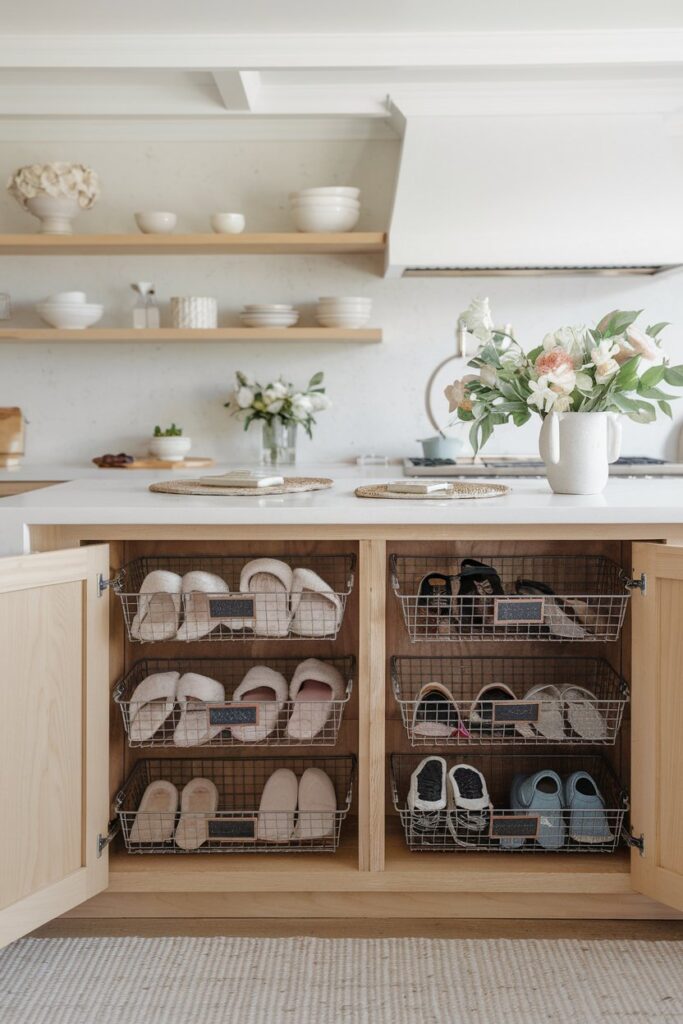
55	213
577	448
171	449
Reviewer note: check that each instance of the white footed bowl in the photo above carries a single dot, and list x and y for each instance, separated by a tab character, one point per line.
70	317
336	218
228	223
154	222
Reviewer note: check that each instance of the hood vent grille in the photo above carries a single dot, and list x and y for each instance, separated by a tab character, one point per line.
597	271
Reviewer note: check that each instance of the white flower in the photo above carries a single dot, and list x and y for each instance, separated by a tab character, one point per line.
641	343
244	396
563	379
602	357
73	181
542	395
562	403
513	358
478	320
605	371
488	375
320	402
302	405
279	389
571	339
275	406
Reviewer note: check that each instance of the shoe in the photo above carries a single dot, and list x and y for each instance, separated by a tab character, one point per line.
587	818
436	714
558	615
427	796
541	794
469	804
478	583
550	722
435	601
481	710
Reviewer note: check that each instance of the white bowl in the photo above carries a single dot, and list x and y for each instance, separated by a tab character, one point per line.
227	223
324	202
327	190
331	219
153	222
344	307
74	317
274	307
350	320
170	449
68	297
344	298
275	322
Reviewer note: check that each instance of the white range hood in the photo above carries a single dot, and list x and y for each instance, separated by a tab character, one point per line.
537	194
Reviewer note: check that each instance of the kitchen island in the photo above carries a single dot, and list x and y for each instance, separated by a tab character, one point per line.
68	644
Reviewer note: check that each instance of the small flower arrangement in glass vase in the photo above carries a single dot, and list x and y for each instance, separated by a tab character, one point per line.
281	408
579	380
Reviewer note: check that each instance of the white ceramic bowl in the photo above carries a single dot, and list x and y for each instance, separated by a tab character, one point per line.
227	223
170	449
347	320
323	202
68	297
327	190
344	307
332	218
153	222
274	307
355	299
75	316
284	320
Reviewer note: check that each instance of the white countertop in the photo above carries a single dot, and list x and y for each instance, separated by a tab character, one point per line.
123	497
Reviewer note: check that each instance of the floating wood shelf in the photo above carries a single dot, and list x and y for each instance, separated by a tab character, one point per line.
110	335
275	243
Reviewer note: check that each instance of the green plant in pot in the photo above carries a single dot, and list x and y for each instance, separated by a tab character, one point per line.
169	444
579	380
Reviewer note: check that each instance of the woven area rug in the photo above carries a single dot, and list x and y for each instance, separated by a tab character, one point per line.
335	981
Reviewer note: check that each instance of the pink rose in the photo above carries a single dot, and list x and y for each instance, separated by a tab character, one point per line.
556	361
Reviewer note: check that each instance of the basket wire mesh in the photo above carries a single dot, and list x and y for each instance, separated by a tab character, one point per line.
247	715
502	828
480	714
268	611
237	826
588	600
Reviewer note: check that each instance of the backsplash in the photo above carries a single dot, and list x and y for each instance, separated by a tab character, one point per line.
82	400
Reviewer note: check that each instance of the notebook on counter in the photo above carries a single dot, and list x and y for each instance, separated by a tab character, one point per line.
516	465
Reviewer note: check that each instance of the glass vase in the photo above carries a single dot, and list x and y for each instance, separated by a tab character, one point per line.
278	446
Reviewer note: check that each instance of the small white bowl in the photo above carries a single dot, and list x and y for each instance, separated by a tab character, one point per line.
271	321
274	307
331	219
153	222
75	317
68	297
227	223
360	299
327	190
170	449
349	320
324	202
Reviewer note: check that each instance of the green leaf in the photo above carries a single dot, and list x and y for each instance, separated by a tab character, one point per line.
627	378
652	377
635	408
656	329
465	416
316	379
657	394
619	321
666	409
673	375
535	353
521	417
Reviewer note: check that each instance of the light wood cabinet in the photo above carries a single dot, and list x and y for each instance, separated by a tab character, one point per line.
63	756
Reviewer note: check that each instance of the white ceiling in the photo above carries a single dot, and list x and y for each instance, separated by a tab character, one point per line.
269	16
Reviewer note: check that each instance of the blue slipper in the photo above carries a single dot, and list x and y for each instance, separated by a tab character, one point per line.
587	818
539	794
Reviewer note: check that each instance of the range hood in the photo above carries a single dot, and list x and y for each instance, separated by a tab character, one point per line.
537	195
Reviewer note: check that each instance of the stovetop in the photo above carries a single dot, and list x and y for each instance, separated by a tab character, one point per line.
501	465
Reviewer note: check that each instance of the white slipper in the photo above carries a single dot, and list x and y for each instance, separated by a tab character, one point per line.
158	606
317	806
550	714
152	702
193	694
155	818
314	686
582	713
196	587
198	801
268	689
316	609
271	582
277	807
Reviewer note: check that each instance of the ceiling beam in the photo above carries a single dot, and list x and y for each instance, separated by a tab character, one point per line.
238	89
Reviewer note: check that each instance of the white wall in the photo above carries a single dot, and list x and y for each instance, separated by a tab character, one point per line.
84	400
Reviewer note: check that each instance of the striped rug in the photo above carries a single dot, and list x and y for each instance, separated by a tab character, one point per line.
340	981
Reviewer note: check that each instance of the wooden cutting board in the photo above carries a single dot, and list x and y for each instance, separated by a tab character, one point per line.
191	463
11	436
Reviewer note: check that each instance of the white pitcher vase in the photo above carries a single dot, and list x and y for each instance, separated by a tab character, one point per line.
577	448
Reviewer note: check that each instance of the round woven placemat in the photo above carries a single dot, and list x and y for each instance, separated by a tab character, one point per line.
456	491
292	485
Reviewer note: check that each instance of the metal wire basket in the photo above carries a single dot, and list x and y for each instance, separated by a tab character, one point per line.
588	600
503	829
533	719
238	826
248	716
228	614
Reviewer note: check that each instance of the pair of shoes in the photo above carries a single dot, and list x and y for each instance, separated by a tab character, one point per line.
562	706
294	810
311	693
575	808
461	792
278	601
155	820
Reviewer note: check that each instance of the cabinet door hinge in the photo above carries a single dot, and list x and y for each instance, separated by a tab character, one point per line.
104	841
635	842
638	584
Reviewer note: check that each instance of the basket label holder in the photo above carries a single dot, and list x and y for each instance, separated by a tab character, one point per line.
238	607
509	712
514	826
518	611
228	829
237	713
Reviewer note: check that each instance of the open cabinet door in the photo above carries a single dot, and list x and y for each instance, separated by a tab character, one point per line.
657	724
54	735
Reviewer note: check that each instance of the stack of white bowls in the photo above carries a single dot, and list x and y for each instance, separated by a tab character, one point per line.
329	208
68	311
338	311
273	315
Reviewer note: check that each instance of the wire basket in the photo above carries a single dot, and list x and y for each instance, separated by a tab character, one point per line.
237	826
266	613
250	717
503	829
588	601
530	720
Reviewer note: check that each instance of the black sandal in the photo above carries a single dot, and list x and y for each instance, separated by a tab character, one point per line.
478	583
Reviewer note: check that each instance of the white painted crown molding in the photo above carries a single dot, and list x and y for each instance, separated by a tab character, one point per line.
321	50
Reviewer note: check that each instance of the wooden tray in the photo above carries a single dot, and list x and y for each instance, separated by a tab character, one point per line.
196	463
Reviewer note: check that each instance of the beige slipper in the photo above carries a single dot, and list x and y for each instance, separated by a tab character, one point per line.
317	806
582	714
277	807
266	688
550	714
314	687
270	581
196	588
316	609
158	607
194	725
198	802
155	818
152	702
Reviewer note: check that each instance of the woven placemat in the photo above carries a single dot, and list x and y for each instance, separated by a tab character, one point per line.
456	491
292	485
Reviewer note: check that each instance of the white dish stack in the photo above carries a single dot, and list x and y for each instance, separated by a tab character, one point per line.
269	315
68	311
338	311
328	208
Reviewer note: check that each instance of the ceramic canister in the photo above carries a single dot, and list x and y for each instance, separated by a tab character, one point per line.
194	311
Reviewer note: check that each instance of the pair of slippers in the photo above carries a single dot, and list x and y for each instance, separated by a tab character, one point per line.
155	821
312	691
297	810
437	714
279	601
478	583
550	799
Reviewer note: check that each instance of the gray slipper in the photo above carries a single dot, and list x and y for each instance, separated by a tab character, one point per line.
540	794
587	818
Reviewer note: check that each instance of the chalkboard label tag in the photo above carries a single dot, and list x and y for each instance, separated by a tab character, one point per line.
234	714
514	711
232	830
231	607
514	826
518	611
